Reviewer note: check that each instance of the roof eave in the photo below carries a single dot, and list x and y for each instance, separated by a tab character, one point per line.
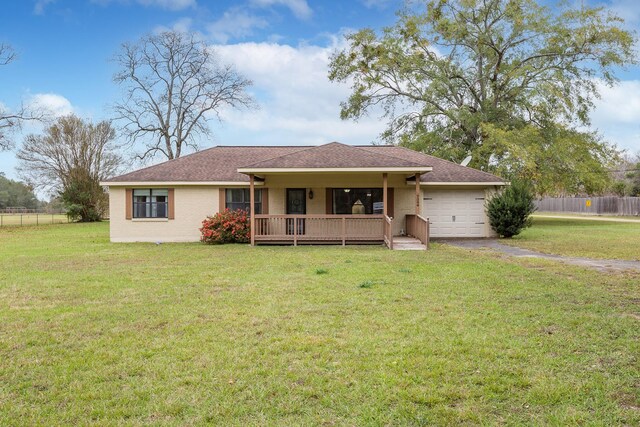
413	170
475	183
174	183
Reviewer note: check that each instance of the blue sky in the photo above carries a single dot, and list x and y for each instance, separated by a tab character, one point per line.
65	47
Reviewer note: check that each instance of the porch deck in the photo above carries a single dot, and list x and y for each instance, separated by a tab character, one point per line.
327	229
301	229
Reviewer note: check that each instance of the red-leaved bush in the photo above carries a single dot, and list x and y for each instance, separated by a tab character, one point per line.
226	227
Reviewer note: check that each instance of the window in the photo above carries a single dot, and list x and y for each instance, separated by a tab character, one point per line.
150	203
239	198
357	201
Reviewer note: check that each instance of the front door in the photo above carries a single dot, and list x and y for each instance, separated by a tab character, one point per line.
296	205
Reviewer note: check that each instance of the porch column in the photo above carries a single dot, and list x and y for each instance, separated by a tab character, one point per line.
384	194
252	209
417	194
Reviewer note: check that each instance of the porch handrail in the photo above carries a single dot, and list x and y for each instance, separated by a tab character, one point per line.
388	231
297	228
319	216
418	227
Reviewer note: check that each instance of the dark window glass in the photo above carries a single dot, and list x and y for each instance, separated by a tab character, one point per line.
239	198
367	201
150	203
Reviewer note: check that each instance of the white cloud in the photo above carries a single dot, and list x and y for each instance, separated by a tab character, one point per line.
235	23
182	25
299	105
300	8
169	4
50	103
40	6
617	114
378	4
164	4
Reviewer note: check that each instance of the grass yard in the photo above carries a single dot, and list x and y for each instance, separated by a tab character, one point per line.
186	334
587	216
581	238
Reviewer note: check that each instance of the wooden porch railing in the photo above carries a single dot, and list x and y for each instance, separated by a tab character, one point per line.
319	228
418	227
388	231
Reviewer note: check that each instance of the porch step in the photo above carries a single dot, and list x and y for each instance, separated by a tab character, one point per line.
408	244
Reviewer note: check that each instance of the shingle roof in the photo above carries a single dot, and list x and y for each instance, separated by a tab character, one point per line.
335	155
221	164
211	165
443	170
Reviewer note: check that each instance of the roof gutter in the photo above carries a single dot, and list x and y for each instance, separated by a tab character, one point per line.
177	183
474	183
408	170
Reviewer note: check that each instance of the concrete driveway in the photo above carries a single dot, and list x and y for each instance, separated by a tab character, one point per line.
494	244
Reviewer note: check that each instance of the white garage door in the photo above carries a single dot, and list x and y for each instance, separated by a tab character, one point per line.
455	213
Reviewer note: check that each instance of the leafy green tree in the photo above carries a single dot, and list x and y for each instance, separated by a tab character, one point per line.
451	75
619	188
83	197
554	159
16	194
510	211
634	180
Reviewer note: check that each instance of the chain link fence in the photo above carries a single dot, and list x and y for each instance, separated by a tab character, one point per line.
13	218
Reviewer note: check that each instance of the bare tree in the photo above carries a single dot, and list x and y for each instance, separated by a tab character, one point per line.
12	120
72	156
7	54
173	84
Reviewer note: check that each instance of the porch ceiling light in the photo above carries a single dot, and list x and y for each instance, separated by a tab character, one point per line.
346	190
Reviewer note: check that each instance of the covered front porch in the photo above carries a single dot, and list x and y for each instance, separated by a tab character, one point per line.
339	229
338	194
310	209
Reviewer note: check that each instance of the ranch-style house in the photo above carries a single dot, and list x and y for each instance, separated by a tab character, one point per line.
332	193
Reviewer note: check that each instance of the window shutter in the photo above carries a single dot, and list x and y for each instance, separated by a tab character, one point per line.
391	202
265	201
329	201
128	203
171	214
222	204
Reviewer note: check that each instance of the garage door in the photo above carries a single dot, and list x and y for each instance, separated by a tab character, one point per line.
455	213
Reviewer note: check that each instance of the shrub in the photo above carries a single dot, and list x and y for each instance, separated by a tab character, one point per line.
509	212
226	227
83	197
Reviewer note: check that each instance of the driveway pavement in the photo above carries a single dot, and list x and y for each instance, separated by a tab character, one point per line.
494	244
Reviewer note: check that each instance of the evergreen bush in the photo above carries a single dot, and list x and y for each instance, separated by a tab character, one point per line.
509	211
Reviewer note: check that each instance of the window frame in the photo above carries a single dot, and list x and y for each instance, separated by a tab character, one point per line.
246	200
368	207
150	212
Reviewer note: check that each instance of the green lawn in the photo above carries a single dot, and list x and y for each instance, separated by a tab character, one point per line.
581	238
186	334
587	216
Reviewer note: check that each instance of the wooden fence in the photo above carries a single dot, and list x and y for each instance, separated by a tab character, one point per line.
608	205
